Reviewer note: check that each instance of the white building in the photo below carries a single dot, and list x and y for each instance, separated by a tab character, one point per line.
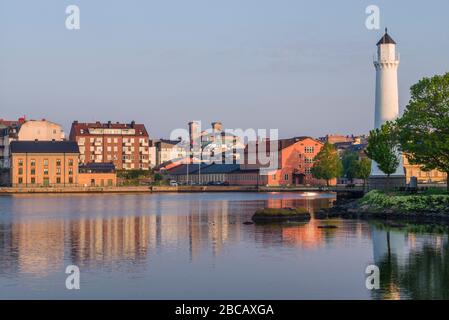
26	130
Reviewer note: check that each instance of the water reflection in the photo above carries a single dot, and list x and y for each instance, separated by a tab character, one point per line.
145	236
413	265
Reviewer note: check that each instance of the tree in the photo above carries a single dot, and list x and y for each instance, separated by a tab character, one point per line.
350	161
327	164
363	170
382	148
424	127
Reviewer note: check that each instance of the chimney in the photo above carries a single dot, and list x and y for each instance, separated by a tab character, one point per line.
109	124
216	126
75	122
133	124
194	132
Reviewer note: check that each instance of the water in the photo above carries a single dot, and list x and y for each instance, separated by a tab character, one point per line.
195	246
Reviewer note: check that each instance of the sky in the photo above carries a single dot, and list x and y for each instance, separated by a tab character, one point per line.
303	67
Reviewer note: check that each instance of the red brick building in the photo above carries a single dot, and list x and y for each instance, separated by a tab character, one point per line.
126	145
295	157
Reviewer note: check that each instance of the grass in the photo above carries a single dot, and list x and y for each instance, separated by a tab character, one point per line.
432	200
281	212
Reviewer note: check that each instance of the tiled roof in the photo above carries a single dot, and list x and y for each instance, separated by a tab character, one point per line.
221	168
44	147
97	167
78	126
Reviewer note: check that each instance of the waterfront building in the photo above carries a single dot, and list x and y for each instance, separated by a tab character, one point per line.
386	104
295	159
127	145
97	175
424	177
44	163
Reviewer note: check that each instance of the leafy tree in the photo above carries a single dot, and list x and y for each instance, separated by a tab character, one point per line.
382	148
350	161
327	164
424	127
363	170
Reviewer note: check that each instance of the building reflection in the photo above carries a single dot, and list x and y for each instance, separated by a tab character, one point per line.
37	246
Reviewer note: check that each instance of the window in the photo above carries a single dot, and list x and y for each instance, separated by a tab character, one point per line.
33	180
58	180
58	171
274	176
70	170
20	180
286	177
70	162
309	149
20	162
109	140
58	162
45	171
70	180
45	162
33	162
33	171
308	171
308	160
20	170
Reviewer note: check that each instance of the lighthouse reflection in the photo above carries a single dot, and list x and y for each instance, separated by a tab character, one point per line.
413	262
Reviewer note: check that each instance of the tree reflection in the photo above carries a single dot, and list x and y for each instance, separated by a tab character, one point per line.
421	272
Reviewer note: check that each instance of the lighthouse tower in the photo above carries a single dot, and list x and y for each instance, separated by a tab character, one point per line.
387	103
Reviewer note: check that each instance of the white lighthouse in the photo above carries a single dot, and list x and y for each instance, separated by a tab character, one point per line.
387	101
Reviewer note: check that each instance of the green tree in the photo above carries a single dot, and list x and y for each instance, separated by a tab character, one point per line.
350	163
363	170
327	164
382	148
424	127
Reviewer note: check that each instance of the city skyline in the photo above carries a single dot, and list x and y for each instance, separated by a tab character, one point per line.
310	64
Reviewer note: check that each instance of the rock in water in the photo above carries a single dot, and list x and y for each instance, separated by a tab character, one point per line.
268	215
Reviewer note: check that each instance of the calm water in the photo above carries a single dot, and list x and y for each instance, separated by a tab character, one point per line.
195	246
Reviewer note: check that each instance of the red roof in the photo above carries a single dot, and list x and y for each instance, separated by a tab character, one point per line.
80	129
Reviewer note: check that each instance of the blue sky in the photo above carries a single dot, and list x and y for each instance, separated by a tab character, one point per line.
304	67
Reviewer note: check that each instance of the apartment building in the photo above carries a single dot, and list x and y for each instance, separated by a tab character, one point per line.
126	145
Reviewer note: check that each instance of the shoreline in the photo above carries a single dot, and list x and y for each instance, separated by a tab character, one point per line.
155	189
352	210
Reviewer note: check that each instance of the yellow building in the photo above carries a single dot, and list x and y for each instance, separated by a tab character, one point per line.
44	163
414	170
